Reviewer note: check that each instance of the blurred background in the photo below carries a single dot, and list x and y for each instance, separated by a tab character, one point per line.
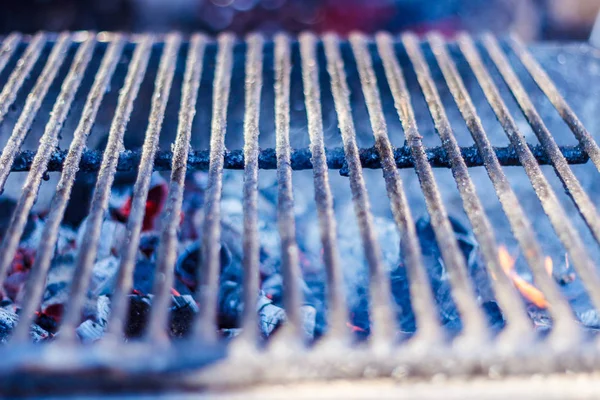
532	19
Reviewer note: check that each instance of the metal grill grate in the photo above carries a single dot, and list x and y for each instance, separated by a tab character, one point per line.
516	350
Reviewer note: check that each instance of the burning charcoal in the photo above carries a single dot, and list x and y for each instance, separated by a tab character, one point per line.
270	316
112	237
67	241
438	275
96	318
149	242
187	263
139	310
122	195
104	275
9	319
183	310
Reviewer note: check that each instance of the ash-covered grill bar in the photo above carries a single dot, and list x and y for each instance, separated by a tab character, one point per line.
474	350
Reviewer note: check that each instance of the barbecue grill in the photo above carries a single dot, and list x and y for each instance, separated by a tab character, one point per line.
81	73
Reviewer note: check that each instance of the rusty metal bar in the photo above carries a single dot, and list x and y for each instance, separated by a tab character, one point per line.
88	250
507	296
474	326
381	314
547	86
35	284
9	45
336	300
160	97
556	213
563	323
22	70
32	105
251	242
290	267
167	250
422	301
48	143
208	273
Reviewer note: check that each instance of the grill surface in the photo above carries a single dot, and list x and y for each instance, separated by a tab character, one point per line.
154	362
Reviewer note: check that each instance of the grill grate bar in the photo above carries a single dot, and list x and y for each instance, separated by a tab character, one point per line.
506	294
8	48
49	142
561	167
545	83
167	251
251	245
563	324
35	284
160	97
208	277
22	70
336	301
557	214
32	105
290	267
421	297
474	326
380	292
88	250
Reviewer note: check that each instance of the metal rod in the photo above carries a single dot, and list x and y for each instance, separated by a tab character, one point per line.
336	301
547	86
32	105
508	297
290	267
550	203
9	45
251	243
88	250
208	273
21	71
130	249
563	171
422	301
36	283
474	326
563	323
382	317
167	250
48	143
301	159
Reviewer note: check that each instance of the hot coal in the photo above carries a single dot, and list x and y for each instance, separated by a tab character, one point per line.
269	307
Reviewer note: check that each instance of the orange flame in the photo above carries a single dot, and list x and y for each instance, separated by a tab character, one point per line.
530	292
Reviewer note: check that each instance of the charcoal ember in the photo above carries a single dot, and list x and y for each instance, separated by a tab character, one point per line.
96	315
112	236
104	276
9	319
183	310
270	316
187	263
122	196
438	275
149	242
139	310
